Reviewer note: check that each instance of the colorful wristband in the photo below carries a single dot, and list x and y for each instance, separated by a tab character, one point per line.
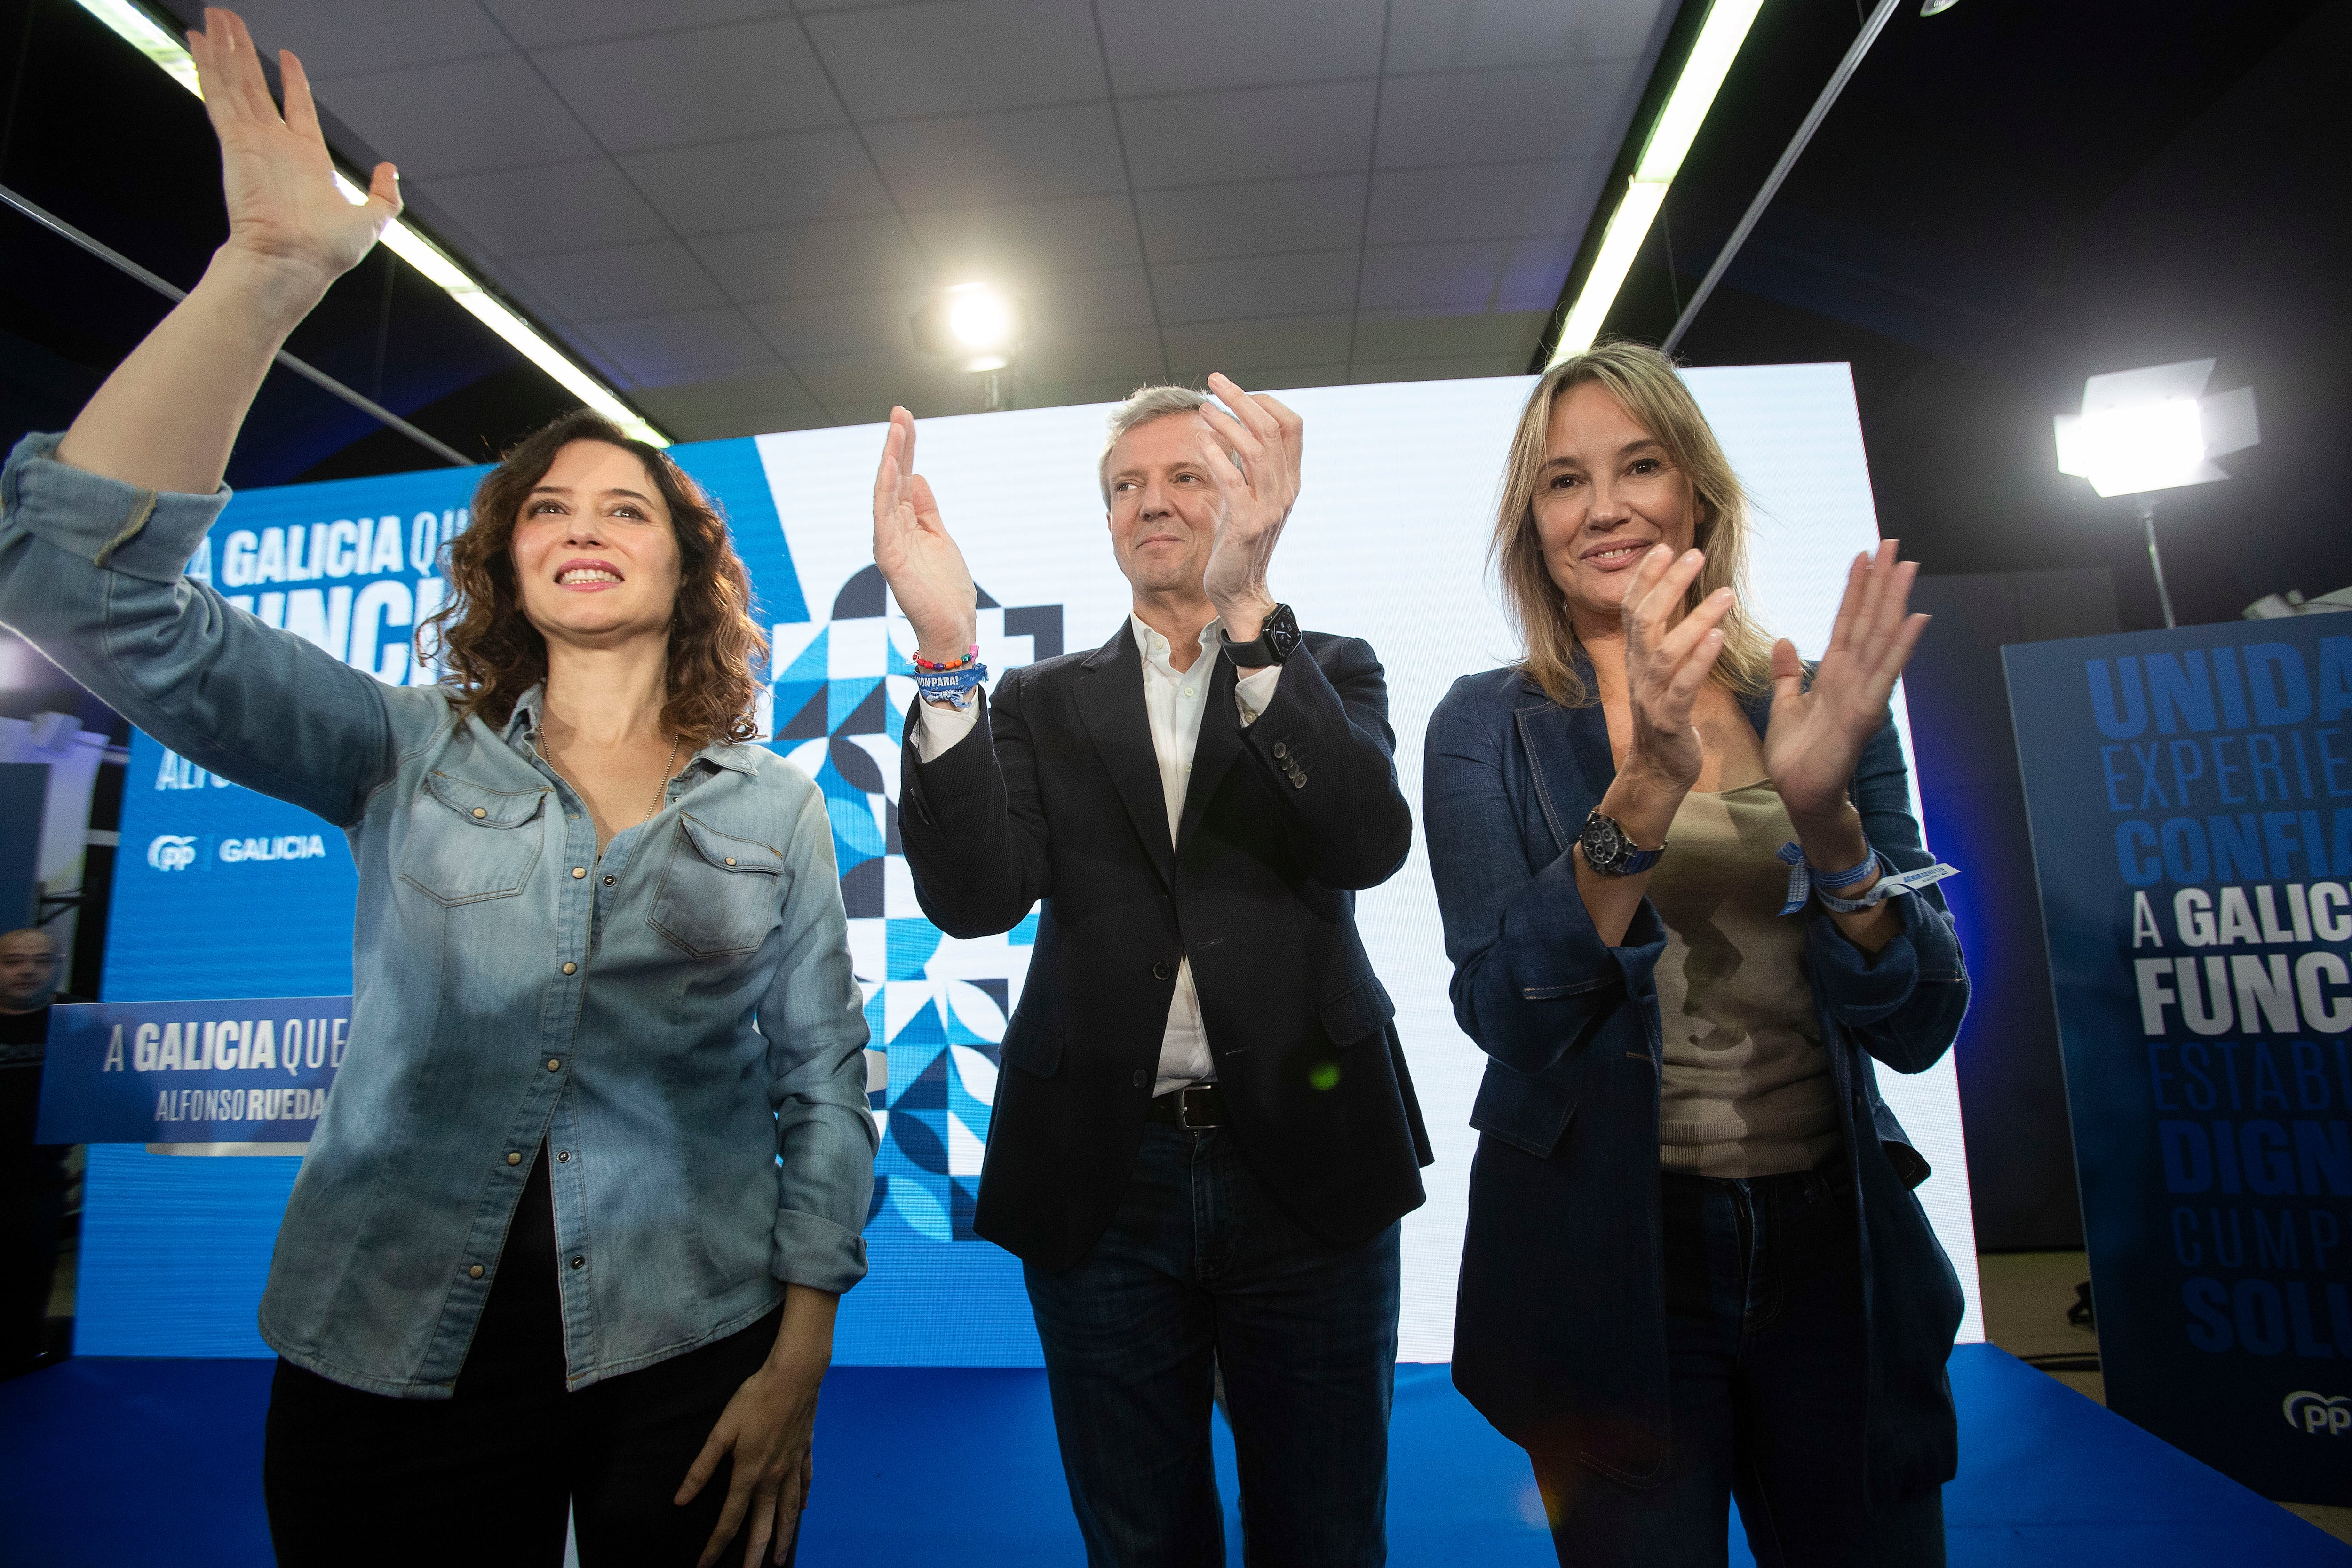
953	685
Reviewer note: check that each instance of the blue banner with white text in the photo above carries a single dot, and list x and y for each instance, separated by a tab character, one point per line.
252	1072
2190	794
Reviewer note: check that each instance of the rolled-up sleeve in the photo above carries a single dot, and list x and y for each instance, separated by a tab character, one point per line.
813	1018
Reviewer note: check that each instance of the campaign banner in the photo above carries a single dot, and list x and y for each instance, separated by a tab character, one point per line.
256	1070
2190	793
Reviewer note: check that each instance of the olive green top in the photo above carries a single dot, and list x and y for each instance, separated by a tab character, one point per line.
1747	1091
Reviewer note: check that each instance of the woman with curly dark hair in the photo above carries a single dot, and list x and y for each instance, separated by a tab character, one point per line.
572	1227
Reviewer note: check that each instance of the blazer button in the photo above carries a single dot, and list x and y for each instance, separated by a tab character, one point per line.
1280	750
1163	971
1142	1078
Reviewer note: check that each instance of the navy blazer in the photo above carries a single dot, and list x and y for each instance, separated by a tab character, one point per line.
1055	796
1560	1335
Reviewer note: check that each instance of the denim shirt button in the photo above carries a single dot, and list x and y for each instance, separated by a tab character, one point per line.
474	1272
513	1158
610	878
480	811
562	1156
578	872
571	969
555	1065
578	1263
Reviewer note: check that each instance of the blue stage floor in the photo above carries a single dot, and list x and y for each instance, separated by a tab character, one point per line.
110	1462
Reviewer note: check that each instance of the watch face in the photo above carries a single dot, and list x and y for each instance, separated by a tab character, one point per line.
1604	842
1281	631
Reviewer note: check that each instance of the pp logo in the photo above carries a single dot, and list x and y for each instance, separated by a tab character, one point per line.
2318	1413
172	852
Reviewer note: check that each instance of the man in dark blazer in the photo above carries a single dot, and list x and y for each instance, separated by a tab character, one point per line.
1204	1133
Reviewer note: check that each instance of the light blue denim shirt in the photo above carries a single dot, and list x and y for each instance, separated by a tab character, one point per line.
678	1021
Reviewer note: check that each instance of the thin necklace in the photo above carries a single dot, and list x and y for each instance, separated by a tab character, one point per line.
661	788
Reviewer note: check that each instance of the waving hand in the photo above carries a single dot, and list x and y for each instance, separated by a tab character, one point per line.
917	558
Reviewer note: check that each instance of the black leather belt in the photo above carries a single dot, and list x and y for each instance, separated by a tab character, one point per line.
1198	1105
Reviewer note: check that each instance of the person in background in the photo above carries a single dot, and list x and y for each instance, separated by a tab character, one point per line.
1204	1132
571	1234
1688	910
32	1176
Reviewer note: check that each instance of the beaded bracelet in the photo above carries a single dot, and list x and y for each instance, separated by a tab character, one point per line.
970	655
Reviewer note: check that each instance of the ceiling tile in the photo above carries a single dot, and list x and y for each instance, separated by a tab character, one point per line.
728	395
1489	201
1131	354
709	84
1252	219
729	186
902	376
1019	155
383	35
679	345
1454	276
584	206
1505	116
837	324
1276	339
1085	301
801	259
626	280
1016	242
551	23
962	57
459	116
1419	334
1452	34
1536	272
1155	47
1255	286
1249	133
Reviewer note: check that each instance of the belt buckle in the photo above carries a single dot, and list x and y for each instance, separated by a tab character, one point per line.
1184	1108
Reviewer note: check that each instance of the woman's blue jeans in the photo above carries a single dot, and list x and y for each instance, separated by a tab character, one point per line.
1200	1271
1765	1351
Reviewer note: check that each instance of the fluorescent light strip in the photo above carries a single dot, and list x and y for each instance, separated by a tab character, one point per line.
141	32
1719	37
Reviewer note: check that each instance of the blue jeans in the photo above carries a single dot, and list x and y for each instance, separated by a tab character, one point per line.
1766	1358
1200	1271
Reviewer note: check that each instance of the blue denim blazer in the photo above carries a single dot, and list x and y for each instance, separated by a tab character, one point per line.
1559	1331
678	1022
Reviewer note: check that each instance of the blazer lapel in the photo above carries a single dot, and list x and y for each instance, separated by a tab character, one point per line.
1213	756
1110	702
1568	757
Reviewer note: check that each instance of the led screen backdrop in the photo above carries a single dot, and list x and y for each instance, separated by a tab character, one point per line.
1388	542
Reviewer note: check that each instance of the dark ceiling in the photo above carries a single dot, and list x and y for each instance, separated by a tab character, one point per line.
2008	198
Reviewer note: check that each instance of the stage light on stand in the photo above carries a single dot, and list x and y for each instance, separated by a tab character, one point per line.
978	328
2153	429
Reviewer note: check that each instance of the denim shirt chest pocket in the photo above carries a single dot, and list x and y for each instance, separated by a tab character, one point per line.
719	893
469	843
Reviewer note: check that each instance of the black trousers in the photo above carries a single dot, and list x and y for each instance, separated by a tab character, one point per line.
488	1475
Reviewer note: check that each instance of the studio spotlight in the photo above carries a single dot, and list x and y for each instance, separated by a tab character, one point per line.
978	328
2153	429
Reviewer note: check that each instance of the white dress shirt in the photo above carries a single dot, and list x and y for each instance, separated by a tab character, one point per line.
1173	701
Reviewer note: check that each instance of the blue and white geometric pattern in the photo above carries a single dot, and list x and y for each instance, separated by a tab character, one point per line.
936	1006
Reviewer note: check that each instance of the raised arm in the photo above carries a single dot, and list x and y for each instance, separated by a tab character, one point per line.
168	415
95	529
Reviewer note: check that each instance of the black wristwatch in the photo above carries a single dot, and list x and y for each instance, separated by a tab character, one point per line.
1276	641
1608	851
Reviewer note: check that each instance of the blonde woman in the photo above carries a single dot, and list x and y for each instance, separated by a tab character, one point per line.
1695	1269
